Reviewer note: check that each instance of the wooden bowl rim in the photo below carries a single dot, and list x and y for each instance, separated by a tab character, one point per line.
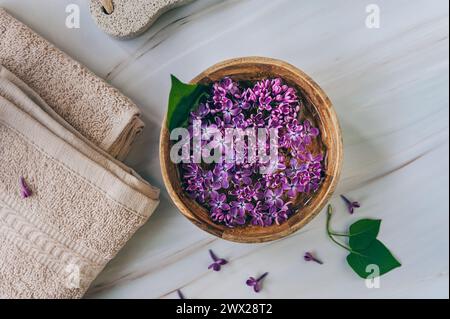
245	236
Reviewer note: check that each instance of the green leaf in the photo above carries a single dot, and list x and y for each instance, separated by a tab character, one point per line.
375	254
363	233
182	100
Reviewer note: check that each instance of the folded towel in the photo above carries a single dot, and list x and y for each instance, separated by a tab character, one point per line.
86	102
84	204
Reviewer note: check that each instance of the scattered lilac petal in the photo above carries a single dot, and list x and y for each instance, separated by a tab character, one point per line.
256	283
310	257
350	205
217	262
25	190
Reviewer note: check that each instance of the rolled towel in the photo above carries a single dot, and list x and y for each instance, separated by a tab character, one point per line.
84	205
94	108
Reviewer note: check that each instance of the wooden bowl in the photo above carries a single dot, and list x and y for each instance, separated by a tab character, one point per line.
318	109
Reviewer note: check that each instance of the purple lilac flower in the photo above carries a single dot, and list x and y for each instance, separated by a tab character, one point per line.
246	99
223	91
210	187
350	205
242	176
194	180
259	219
293	187
239	121
279	214
309	132
218	205
217	262
226	86
202	111
235	218
192	170
241	207
275	170
239	194
293	137
275	180
221	145
273	198
249	193
295	168
25	190
310	257
259	215
315	167
256	283
221	171
229	111
263	95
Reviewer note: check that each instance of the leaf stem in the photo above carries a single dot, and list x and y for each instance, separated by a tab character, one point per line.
330	233
340	235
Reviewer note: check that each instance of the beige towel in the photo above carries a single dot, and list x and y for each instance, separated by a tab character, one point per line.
86	102
84	207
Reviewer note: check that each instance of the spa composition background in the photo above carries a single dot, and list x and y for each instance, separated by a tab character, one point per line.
389	86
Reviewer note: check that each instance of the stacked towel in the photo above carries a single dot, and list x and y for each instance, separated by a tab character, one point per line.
94	108
58	145
84	204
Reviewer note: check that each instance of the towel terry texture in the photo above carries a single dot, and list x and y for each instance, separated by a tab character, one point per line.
85	204
84	208
94	108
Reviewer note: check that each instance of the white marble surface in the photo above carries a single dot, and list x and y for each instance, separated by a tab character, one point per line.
390	89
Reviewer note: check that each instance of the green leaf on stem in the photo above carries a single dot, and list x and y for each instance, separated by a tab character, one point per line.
182	100
376	254
368	256
363	233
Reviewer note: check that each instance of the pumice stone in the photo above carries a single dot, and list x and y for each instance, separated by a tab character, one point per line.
126	19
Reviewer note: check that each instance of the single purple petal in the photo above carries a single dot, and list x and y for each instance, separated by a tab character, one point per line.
221	262
279	203
249	207
315	131
251	282
227	117
216	186
225	183
25	191
278	192
234	211
214	266
310	257
257	287
292	193
235	111
350	205
247	180
215	196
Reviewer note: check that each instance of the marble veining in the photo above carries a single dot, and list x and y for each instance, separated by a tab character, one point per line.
390	89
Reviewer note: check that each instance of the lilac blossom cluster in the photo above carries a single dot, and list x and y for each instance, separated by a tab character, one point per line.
238	194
